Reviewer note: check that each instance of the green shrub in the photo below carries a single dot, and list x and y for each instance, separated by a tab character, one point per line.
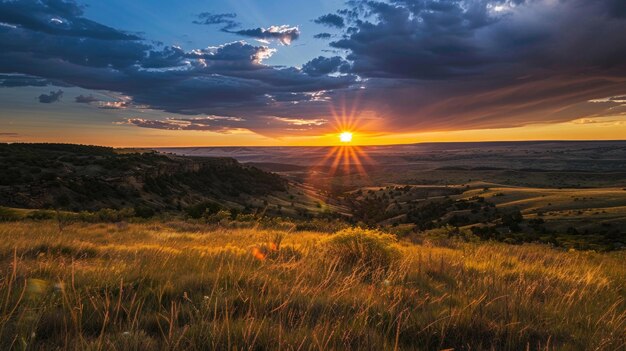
321	225
245	217
108	215
112	215
9	214
41	215
371	249
144	211
203	208
221	216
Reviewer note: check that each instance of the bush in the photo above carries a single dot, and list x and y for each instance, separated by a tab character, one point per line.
245	217
108	215
221	216
9	214
113	216
321	225
41	215
372	249
144	211
204	208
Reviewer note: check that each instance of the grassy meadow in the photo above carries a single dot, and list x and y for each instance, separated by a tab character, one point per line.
177	285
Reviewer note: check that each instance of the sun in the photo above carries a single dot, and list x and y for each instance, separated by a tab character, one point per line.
345	137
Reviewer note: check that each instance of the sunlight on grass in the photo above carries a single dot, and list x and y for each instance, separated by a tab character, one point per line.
145	287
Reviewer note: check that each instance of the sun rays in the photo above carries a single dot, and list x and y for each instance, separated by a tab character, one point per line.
346	157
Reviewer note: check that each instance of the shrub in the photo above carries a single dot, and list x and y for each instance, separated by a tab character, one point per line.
203	208
144	211
112	215
372	249
9	214
40	215
245	217
221	216
321	225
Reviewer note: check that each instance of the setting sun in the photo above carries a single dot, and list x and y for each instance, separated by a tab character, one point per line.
345	137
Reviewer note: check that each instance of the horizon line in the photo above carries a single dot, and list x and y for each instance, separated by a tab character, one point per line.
330	145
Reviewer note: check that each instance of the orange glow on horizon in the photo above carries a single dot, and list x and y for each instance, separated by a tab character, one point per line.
605	128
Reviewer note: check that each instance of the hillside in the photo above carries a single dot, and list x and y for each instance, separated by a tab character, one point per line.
589	218
78	177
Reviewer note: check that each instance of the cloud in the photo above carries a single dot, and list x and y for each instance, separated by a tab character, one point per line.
611	99
401	65
325	65
225	19
299	122
322	36
8	134
57	17
85	99
330	20
432	65
441	40
54	96
21	80
83	51
267	125
219	124
170	56
228	79
11	81
284	34
239	55
114	105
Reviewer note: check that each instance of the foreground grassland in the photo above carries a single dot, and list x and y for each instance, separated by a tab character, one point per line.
173	286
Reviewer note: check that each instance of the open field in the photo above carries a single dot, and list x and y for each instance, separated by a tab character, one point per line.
187	285
539	164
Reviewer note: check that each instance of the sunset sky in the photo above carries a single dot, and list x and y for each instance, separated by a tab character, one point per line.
284	72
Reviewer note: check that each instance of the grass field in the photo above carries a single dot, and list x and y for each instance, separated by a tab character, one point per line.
591	209
182	285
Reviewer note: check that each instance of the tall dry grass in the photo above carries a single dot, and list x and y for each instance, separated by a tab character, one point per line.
173	286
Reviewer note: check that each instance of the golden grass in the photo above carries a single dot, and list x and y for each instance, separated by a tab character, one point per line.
533	199
173	286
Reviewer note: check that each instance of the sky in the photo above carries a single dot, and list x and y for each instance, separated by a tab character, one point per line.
144	73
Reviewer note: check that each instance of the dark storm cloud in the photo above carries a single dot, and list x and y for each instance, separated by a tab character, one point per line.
284	34
222	80
441	40
437	65
10	81
83	51
434	41
331	20
85	99
168	57
56	17
54	96
325	65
